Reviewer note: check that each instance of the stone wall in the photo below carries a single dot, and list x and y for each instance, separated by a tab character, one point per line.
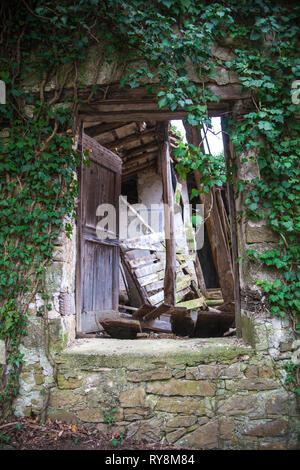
203	394
208	393
37	371
264	331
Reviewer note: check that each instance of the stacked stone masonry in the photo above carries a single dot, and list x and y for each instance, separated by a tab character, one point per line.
202	394
199	393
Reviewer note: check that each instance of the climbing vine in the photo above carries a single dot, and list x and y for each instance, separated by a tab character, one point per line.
45	42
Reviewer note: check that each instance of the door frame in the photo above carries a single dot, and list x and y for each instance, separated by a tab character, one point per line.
110	160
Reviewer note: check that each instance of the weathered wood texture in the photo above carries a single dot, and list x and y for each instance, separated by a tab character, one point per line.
121	328
146	273
182	322
216	227
99	257
170	242
229	154
113	103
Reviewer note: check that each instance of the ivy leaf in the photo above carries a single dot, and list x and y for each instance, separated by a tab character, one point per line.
265	125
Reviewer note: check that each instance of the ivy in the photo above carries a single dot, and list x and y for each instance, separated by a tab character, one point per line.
42	41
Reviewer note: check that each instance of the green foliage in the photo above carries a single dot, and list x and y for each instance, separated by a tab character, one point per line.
211	167
109	416
46	41
4	439
117	439
290	368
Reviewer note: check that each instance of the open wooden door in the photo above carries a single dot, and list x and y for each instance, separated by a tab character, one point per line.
97	274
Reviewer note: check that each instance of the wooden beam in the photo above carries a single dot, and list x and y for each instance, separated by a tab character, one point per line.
219	244
131	138
181	322
168	198
143	159
126	116
137	168
140	150
229	156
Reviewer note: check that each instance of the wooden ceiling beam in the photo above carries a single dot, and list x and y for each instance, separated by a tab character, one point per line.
137	169
132	138
152	146
127	116
113	92
141	158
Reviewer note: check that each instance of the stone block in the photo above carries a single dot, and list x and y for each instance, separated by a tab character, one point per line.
251	372
278	427
255	384
181	421
149	375
65	399
239	405
203	371
133	397
187	406
231	371
273	445
258	232
53	278
278	403
91	415
173	436
204	437
39	379
226	427
133	414
147	429
63	416
35	334
183	388
67	382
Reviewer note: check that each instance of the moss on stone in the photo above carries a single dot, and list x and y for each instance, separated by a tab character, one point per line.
247	330
112	353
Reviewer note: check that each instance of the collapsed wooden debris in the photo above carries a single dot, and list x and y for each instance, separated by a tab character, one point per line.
178	320
144	269
164	287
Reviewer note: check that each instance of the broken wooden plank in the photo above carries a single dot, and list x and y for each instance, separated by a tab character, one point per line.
146	280
128	307
214	302
199	274
159	297
121	328
181	322
185	257
149	269
213	294
192	304
157	312
142	311
138	295
182	282
145	242
143	261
